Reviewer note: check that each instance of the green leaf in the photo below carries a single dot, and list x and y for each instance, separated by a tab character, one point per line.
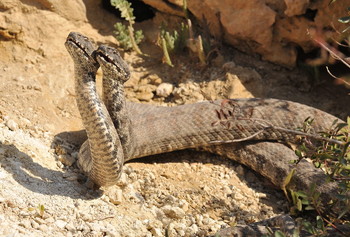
299	154
309	208
299	205
319	223
308	227
279	234
301	194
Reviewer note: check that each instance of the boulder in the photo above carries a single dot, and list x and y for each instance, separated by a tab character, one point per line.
273	29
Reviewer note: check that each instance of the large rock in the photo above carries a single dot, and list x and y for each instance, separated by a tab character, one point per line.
274	29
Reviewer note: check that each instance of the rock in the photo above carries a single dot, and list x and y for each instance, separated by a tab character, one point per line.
60	224
123	180
157	232
26	224
67	160
173	212
154	79
115	195
274	29
12	125
164	89
144	96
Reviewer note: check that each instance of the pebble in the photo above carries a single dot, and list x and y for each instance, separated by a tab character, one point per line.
240	170
70	227
26	224
164	89
154	79
35	224
144	96
115	195
60	224
12	125
43	228
157	232
123	180
173	212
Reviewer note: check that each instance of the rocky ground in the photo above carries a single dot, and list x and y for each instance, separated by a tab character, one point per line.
184	193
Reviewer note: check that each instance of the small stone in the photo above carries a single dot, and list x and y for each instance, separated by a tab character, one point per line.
60	224
25	223
25	122
35	224
184	205
67	160
50	220
94	227
70	227
157	232
173	212
192	230
37	88
43	228
154	79
123	180
229	66
144	96
240	170
238	196
12	125
115	195
164	89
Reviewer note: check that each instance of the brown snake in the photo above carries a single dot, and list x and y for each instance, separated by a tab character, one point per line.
143	130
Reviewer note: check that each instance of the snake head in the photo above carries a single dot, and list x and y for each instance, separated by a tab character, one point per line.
81	49
111	62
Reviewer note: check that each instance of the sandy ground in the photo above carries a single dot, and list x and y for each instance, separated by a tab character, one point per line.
185	193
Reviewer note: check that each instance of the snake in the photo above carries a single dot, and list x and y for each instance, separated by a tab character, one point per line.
102	148
121	131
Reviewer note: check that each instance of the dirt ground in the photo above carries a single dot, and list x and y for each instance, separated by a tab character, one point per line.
184	193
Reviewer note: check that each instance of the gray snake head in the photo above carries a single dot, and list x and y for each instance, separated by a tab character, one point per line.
110	60
81	49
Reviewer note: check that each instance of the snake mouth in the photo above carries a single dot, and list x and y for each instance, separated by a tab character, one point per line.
114	59
77	45
81	43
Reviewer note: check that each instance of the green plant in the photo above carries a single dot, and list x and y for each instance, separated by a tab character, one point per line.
40	210
172	43
334	159
126	35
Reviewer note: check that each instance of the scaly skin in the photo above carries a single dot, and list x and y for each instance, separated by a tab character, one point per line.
260	122
114	75
103	149
163	129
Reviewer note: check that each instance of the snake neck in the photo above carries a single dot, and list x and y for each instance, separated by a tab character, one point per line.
114	99
105	147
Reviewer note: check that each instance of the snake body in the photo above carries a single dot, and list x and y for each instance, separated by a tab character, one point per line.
101	152
125	131
147	130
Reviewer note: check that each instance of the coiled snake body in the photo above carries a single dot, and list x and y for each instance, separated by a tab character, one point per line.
142	130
